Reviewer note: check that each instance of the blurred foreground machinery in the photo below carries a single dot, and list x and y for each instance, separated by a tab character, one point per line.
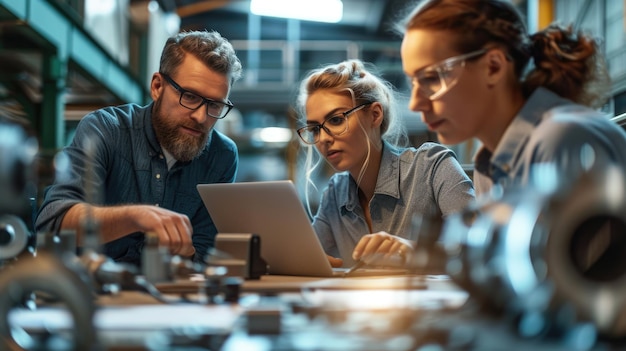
17	191
551	258
544	266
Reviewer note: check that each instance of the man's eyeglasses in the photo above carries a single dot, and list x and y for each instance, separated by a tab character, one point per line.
192	101
435	80
334	125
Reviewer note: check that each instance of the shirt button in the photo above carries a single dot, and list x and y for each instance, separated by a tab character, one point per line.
157	205
161	156
158	176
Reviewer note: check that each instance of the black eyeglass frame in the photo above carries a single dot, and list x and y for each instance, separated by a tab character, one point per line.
203	100
319	127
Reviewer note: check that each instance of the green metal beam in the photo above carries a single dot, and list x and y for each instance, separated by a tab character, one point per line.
74	43
64	40
16	7
52	133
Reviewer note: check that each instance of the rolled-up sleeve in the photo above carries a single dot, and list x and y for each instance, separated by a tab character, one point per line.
79	175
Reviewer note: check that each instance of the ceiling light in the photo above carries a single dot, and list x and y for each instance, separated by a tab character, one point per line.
330	11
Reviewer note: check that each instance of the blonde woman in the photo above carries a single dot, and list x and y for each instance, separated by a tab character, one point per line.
349	119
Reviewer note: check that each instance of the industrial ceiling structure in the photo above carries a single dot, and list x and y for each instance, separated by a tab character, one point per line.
60	59
53	69
276	52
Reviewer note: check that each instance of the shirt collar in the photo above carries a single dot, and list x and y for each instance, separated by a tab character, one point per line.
169	158
386	184
149	128
500	162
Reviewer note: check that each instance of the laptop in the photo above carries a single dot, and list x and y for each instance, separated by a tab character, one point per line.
273	211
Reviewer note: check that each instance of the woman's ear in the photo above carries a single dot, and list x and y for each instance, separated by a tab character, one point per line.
497	65
376	110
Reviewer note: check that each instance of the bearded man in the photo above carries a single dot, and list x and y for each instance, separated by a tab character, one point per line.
134	169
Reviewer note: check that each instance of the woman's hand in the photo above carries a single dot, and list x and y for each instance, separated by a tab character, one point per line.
334	261
382	244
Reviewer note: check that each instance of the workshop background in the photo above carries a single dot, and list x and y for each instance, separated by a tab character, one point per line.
60	59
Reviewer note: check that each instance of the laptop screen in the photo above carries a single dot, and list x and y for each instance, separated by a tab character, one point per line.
272	210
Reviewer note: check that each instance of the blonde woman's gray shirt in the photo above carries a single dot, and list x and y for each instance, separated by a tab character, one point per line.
425	180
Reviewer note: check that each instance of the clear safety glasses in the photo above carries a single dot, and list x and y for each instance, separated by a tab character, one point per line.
437	79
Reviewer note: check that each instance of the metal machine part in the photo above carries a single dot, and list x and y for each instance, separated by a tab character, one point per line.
17	159
155	260
55	278
551	254
240	254
14	236
17	174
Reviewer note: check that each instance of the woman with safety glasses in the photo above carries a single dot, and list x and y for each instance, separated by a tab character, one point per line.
348	116
529	99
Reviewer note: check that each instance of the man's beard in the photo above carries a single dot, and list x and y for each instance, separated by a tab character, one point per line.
182	146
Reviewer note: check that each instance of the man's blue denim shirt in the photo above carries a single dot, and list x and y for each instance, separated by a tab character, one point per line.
128	167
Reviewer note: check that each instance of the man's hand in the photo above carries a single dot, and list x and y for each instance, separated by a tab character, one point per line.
174	230
381	244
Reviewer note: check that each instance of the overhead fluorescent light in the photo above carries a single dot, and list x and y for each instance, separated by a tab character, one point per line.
330	11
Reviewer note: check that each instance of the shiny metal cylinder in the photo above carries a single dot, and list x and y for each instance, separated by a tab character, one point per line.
547	251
